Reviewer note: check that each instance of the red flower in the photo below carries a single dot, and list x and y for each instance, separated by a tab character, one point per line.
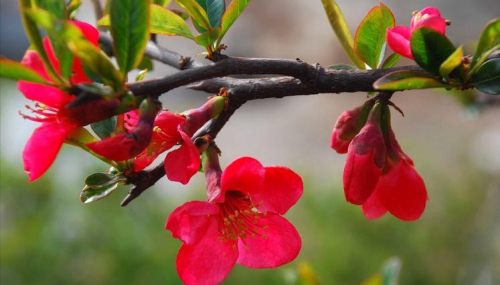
180	164
57	121
348	126
365	160
137	137
379	176
241	222
400	189
398	38
171	129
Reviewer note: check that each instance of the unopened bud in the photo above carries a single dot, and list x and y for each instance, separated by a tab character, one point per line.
348	126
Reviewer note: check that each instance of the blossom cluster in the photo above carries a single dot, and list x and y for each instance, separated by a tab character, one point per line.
241	221
377	175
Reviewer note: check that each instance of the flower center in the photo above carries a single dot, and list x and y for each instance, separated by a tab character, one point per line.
239	218
42	113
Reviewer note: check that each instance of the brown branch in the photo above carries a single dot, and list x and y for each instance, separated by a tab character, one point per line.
296	78
316	78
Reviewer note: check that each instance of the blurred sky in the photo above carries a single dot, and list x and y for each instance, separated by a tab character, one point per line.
443	138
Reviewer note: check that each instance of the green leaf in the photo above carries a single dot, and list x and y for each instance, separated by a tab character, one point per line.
391	60
48	21
89	195
146	63
342	67
162	2
72	7
232	13
129	25
489	41
166	22
451	63
206	39
370	39
196	11
339	26
405	80
180	13
35	39
104	21
93	59
215	9
390	271
430	49
140	76
56	7
104	129
487	77
16	71
80	137
100	179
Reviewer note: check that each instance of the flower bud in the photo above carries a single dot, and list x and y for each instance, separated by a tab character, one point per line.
398	38
365	160
196	118
128	145
348	125
400	189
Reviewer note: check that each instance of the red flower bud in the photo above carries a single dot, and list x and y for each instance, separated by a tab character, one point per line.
400	189
196	118
348	126
365	160
128	145
398	38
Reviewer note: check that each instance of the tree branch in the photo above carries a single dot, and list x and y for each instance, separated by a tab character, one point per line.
296	78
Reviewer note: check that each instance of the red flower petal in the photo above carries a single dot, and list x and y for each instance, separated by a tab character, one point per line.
361	176
50	96
163	139
373	208
32	60
434	22
398	38
168	124
278	243
282	188
88	31
131	119
430	11
190	221
182	163
209	261
245	174
119	147
42	147
402	191
364	164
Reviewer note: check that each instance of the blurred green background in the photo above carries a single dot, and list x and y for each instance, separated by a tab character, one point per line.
49	237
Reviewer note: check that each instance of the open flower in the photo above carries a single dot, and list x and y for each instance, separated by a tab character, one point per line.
171	129
57	121
241	222
398	38
379	176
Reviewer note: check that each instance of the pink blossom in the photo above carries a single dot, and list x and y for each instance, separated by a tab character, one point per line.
241	222
57	120
398	38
